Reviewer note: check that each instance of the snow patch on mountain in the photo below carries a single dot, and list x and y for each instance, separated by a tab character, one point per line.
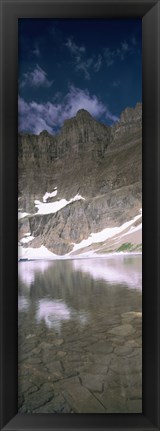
49	195
42	252
22	215
134	229
35	253
104	235
26	239
53	207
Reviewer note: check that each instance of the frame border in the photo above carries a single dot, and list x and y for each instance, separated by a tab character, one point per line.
149	11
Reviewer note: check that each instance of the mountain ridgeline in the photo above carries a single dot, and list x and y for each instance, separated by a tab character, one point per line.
100	163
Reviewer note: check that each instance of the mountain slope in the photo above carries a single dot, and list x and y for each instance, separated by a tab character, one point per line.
92	174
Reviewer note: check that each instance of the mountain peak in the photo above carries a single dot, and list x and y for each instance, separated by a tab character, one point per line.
83	113
82	117
44	133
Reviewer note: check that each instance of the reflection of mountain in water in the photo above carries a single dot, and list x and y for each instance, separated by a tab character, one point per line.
27	270
76	290
117	269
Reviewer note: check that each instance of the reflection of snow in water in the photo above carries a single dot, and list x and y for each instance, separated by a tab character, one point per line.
23	303
54	313
27	271
114	271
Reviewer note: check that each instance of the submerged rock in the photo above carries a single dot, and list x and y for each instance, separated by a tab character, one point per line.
122	330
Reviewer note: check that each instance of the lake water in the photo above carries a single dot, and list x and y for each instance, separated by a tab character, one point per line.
80	335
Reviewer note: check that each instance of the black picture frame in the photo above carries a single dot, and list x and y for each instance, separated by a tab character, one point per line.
149	11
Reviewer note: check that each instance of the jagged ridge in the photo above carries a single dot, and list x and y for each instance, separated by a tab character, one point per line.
101	163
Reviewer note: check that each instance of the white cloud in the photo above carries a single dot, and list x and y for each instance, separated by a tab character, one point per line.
35	117
36	78
116	83
77	52
36	51
85	66
124	46
74	49
133	40
123	50
98	63
81	99
82	63
94	63
110	116
111	55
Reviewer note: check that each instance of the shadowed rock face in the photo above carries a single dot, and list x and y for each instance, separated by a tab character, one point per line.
101	163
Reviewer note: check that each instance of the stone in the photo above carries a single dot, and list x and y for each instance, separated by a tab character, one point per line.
103	359
132	343
113	401
122	330
135	392
123	350
58	386
55	371
134	406
124	365
30	336
58	342
20	401
100	347
131	315
137	351
61	354
117	341
96	369
81	400
39	398
125	383
92	382
57	405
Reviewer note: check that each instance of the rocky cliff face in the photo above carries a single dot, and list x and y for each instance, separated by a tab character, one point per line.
99	163
129	126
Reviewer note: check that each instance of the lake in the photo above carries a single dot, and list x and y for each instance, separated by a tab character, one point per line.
80	335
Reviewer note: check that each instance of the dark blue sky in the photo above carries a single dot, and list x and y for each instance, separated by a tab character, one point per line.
66	65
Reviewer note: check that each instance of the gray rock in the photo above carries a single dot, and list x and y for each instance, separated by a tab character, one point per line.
122	330
113	401
101	163
92	382
39	398
81	400
134	406
100	347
